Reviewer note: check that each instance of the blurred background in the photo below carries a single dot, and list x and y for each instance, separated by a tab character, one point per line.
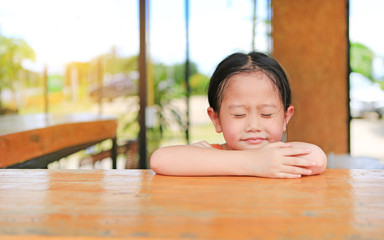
86	54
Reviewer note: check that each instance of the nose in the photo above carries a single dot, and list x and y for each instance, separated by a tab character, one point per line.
253	124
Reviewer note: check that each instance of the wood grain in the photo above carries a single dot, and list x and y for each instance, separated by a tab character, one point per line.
90	204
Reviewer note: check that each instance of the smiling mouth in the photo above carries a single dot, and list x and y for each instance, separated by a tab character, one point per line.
254	140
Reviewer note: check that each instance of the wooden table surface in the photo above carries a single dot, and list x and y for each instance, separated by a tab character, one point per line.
90	204
26	137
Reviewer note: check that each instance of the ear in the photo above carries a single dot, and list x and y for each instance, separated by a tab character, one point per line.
287	116
215	119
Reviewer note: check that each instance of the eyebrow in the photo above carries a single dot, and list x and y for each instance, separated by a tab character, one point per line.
265	105
261	106
237	106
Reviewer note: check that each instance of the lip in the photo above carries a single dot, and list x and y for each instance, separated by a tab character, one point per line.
256	140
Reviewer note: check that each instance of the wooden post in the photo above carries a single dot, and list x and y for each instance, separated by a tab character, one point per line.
143	84
187	68
310	40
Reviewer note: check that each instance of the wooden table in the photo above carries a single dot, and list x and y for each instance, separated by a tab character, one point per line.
90	204
35	140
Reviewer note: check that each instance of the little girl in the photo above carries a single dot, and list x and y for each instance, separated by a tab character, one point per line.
250	103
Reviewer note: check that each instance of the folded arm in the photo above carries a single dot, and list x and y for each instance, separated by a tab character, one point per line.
277	160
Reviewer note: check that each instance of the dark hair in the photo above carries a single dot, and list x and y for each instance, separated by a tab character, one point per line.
251	62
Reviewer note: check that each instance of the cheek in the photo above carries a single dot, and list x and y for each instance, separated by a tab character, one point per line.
276	137
276	130
231	128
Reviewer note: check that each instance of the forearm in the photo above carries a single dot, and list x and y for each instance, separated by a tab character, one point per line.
277	160
191	160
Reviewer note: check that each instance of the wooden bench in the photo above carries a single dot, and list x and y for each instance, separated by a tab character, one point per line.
34	141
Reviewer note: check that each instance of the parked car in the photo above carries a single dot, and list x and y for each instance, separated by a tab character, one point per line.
365	96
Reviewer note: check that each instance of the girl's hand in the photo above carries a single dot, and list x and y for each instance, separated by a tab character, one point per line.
317	155
280	160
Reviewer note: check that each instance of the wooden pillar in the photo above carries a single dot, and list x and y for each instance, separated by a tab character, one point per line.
143	84
310	40
187	71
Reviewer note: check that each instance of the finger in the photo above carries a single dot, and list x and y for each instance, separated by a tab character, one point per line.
296	161
287	175
280	145
296	170
295	151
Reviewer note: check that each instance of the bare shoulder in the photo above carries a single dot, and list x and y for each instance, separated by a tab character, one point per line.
317	155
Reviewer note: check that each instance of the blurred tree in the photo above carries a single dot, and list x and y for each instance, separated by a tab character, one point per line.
13	52
165	113
179	74
114	63
361	59
169	84
199	84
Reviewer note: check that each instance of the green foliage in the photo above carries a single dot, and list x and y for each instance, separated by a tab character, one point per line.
179	72
165	91
199	84
13	52
361	59
114	63
175	75
55	83
381	83
169	85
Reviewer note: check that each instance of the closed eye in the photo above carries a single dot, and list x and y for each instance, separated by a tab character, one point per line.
266	115
238	115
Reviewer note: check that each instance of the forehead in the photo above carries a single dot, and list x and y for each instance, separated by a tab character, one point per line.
251	86
250	81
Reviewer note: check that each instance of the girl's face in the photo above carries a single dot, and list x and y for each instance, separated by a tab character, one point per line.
251	113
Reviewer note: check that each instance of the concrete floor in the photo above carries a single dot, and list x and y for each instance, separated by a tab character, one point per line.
367	138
